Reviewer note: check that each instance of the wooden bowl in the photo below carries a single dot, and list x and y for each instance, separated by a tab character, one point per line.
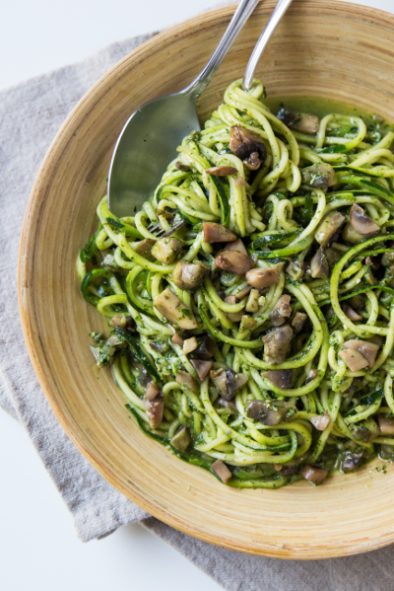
330	49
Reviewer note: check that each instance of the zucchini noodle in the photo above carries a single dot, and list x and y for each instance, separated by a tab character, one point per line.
250	301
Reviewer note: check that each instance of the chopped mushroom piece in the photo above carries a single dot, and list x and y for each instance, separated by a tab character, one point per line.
351	460
320	268
181	440
152	391
281	311
352	314
329	227
222	471
248	146
260	277
189	275
227	382
252	305
281	378
298	321
154	404
277	344
234	258
233	316
261	411
386	425
144	248
174	310
353	359
367	349
350	235
189	345
202	368
304	122
221	170
320	175
361	222
314	474
320	422
184	378
155	411
167	250
205	349
214	233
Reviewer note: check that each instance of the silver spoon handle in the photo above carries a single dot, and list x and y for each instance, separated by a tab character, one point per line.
261	44
241	15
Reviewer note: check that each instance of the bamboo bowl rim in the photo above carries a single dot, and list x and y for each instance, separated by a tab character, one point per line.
28	245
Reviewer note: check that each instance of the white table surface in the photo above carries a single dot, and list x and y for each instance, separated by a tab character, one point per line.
38	545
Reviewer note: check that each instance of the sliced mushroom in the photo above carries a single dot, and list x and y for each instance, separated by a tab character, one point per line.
202	368
184	378
329	227
386	424
189	345
154	404
240	295
303	122
205	348
262	277
227	382
221	170
298	321
152	391
352	314
144	248
189	275
281	378
361	222
277	344
181	440
281	311
247	146
353	359
167	250
349	234
320	268
261	411
351	460
320	175
314	474
320	422
222	471
367	349
234	258
214	233
174	310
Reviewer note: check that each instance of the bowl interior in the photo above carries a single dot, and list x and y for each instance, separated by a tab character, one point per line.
329	49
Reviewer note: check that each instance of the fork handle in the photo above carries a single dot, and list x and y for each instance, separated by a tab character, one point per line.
241	15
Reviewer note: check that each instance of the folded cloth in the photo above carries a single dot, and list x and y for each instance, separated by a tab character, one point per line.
30	115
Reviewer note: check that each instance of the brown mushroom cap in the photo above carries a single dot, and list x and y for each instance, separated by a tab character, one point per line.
189	275
234	258
386	425
247	146
361	222
202	368
262	277
367	349
222	471
281	311
277	344
174	310
281	378
320	268
216	233
221	170
329	227
314	474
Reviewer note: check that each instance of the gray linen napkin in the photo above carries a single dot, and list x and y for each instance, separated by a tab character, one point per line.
30	115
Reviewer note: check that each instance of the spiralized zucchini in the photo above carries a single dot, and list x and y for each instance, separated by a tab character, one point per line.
250	301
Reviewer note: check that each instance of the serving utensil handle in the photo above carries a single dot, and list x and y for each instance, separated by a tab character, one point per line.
241	15
262	41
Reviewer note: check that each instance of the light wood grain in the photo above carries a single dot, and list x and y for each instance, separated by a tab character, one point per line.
331	49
